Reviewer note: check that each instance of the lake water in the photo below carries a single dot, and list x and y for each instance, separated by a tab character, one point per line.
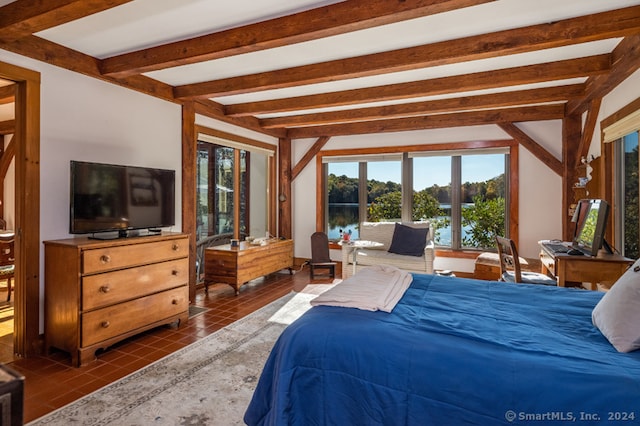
345	217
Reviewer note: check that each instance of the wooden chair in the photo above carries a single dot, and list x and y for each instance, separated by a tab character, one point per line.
510	270
7	264
320	257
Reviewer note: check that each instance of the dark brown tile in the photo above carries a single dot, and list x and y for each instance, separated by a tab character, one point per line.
44	374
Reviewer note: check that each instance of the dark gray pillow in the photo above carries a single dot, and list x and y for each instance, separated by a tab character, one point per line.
408	241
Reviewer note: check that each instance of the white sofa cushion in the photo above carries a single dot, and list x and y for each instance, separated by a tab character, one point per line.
382	232
370	257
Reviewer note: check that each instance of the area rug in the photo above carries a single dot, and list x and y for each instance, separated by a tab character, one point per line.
209	382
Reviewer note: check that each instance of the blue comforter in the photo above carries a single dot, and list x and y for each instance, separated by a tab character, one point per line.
453	352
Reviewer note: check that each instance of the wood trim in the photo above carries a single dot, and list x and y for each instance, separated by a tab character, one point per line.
514	193
473	118
7	94
7	127
620	114
587	132
530	74
445	146
285	209
6	158
458	254
236	193
22	18
514	177
26	337
571	136
234	138
320	196
605	25
304	26
492	101
211	109
272	196
308	156
532	146
624	62
607	165
189	181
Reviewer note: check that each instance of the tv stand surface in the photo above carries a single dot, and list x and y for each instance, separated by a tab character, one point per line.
98	293
106	236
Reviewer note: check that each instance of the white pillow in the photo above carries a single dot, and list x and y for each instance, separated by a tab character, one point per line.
617	314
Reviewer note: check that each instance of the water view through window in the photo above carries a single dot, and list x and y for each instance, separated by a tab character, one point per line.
479	197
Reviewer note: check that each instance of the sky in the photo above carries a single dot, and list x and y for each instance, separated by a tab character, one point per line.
428	171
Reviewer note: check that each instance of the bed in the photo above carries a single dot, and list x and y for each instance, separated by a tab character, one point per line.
452	351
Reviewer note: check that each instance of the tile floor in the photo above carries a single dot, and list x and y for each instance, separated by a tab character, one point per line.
51	381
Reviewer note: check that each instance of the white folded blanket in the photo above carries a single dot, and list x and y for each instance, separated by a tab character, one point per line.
374	288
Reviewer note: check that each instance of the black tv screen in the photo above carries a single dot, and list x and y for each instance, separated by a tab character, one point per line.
108	197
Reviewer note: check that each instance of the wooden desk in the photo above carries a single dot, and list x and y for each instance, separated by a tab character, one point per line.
604	268
237	265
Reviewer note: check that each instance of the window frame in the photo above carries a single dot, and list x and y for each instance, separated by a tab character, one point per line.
609	169
218	137
512	179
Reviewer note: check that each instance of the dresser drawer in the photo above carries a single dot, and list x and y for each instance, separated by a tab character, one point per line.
117	257
109	322
113	287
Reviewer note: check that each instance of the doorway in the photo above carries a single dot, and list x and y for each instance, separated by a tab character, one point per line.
26	143
7	218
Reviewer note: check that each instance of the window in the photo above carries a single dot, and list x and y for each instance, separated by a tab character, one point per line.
343	209
627	206
215	210
464	193
621	184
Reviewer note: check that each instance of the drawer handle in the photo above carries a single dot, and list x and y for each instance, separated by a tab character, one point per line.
175	272
105	324
175	247
174	302
105	289
105	258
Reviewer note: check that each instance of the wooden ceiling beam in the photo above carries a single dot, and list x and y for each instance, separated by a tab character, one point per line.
532	146
309	25
213	110
55	54
7	94
308	156
22	18
539	73
625	60
588	131
7	127
616	23
466	103
438	121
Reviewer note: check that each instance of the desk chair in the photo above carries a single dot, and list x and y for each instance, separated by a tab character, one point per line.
320	254
510	270
7	264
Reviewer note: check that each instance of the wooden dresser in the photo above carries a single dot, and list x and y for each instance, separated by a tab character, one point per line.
238	265
100	292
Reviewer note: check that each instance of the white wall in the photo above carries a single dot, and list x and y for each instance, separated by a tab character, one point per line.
624	94
540	188
86	119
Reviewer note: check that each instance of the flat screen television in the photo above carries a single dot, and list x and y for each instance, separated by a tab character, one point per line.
109	197
592	224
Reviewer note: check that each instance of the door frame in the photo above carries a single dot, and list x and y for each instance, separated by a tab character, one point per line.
26	336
